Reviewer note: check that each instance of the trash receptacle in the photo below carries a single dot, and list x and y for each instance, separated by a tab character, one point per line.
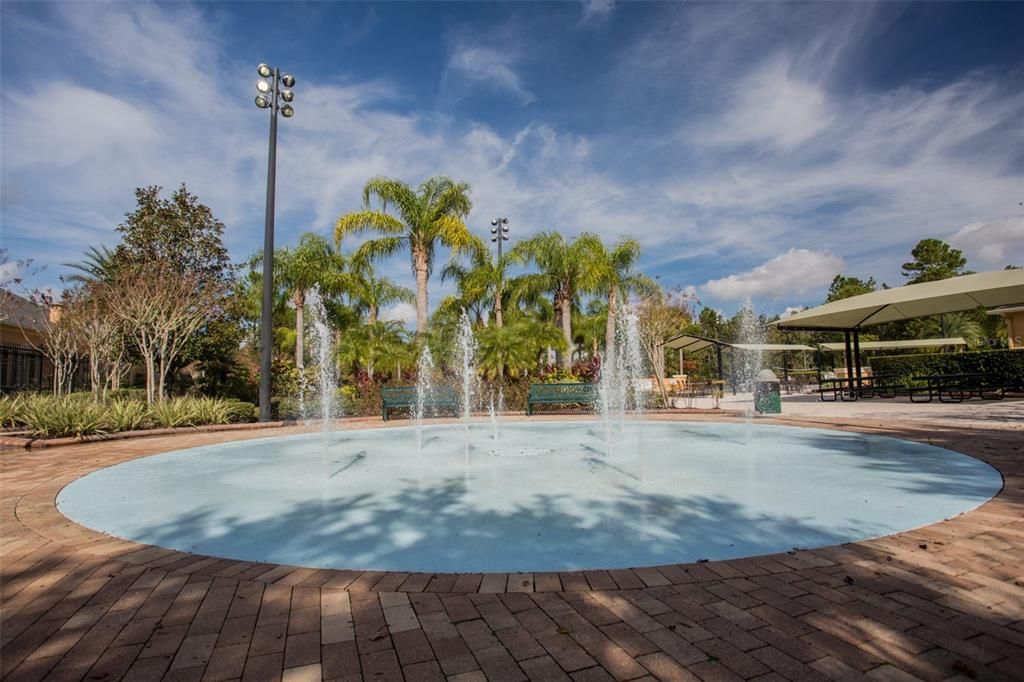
767	399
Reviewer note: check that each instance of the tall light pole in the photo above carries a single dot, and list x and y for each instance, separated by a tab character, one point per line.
499	234
270	90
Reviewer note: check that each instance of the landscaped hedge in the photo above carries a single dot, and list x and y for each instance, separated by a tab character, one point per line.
1008	365
47	416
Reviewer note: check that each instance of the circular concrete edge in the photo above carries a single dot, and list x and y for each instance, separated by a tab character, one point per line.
45	519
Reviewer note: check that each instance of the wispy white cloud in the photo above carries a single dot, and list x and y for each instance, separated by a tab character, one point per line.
795	272
597	10
761	148
490	68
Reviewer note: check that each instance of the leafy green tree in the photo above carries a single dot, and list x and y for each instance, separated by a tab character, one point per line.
567	268
712	324
845	287
424	217
180	234
934	259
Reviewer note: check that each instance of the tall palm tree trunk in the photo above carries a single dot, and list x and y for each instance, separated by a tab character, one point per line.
566	307
371	315
300	328
420	259
609	333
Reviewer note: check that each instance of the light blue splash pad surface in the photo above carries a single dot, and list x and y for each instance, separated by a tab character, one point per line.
546	496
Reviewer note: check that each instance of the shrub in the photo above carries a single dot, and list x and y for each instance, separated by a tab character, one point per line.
126	414
209	411
174	412
1008	365
241	411
48	416
12	411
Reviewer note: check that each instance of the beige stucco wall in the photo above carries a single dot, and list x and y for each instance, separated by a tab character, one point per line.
1015	328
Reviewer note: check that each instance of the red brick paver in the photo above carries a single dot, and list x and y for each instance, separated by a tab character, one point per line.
946	601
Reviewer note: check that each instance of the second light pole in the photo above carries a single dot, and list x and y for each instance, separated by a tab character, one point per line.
499	234
270	90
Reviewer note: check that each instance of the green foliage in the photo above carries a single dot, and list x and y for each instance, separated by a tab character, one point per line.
12	410
423	217
375	348
1008	365
515	349
127	414
173	412
138	394
179	233
845	287
99	264
47	416
934	259
55	417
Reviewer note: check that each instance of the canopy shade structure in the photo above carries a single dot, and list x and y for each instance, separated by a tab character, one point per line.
984	289
912	343
691	344
770	347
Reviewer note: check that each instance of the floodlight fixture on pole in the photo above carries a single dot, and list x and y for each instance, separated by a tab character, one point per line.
499	232
268	92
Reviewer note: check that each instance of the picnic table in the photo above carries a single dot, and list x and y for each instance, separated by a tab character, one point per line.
955	388
874	386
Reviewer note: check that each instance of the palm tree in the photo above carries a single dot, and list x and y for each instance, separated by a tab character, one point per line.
514	349
432	213
312	263
380	346
618	278
371	292
566	269
485	282
97	265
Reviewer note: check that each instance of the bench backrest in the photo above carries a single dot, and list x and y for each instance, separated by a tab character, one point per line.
567	392
406	395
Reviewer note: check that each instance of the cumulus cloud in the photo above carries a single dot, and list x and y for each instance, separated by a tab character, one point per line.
401	312
995	243
795	272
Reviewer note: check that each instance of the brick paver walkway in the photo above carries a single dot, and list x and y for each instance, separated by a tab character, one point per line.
942	602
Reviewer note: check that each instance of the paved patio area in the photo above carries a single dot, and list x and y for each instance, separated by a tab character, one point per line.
941	602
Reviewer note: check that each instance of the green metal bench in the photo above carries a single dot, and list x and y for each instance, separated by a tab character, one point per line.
560	394
441	398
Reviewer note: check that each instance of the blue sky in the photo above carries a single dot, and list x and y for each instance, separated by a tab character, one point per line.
754	149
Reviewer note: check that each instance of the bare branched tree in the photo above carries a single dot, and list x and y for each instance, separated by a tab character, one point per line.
662	315
100	334
59	340
162	309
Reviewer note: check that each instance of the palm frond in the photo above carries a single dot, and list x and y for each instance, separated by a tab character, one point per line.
363	221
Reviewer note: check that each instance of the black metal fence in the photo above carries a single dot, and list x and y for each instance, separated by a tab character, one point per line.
21	369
